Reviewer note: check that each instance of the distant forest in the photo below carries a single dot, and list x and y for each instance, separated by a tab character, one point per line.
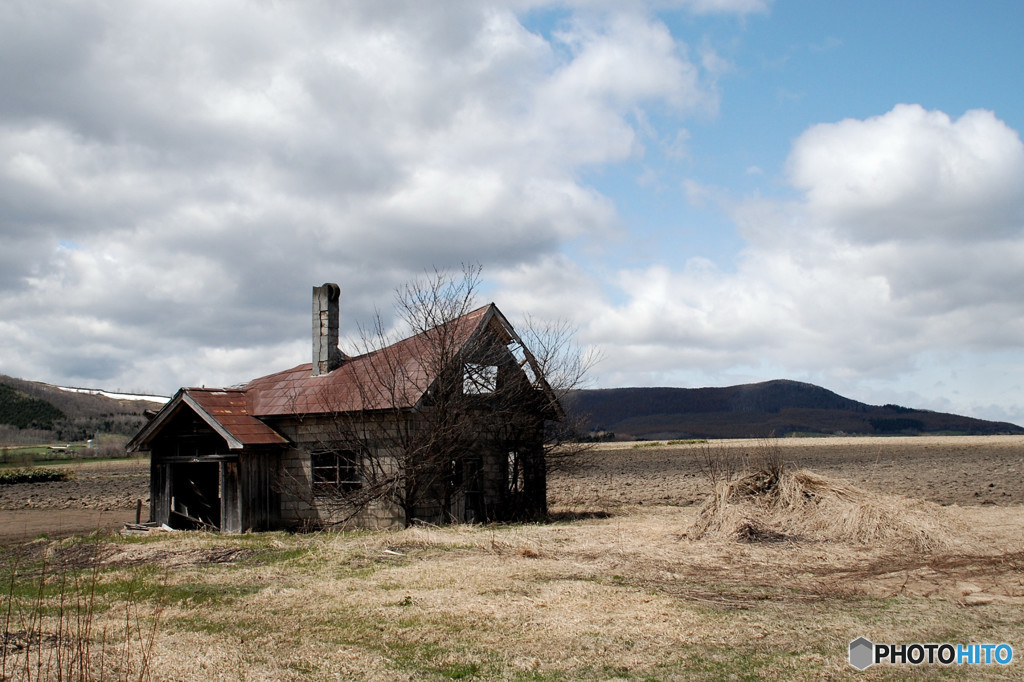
25	411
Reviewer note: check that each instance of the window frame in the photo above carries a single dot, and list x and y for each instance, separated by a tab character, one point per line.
335	471
479	379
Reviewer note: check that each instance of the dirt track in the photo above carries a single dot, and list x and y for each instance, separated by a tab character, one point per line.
967	471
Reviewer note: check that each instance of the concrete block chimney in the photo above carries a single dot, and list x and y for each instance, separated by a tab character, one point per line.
326	354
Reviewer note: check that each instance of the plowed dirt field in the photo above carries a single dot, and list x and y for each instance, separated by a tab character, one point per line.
966	470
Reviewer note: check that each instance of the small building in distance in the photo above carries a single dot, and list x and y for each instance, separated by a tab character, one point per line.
444	426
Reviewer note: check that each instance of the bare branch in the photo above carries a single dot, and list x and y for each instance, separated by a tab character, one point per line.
456	420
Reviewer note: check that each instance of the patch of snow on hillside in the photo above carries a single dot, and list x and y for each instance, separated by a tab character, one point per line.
116	396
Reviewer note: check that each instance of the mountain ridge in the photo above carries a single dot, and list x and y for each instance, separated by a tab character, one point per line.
777	407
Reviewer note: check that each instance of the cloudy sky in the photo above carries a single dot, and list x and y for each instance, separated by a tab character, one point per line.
714	191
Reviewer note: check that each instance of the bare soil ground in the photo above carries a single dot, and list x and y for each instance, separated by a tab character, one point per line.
103	485
963	470
100	496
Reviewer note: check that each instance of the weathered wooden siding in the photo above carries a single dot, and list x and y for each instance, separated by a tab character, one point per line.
159	486
261	502
231	513
242	481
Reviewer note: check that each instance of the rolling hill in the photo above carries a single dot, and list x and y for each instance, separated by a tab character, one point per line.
778	407
32	411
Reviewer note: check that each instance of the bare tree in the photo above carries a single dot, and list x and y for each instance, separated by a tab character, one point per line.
567	367
446	411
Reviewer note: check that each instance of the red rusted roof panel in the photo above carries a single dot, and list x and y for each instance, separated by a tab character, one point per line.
228	408
394	377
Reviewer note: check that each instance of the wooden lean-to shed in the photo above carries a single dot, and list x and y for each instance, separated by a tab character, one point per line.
447	425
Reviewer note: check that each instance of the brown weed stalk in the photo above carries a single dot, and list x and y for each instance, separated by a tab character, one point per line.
49	635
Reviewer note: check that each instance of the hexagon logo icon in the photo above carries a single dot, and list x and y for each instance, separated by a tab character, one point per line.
862	653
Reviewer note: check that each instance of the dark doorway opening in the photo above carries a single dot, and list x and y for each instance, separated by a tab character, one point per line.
195	495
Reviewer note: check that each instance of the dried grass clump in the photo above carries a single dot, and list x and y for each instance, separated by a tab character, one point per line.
767	506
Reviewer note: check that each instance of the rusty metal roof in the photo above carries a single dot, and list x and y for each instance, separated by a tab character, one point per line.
393	377
224	410
227	407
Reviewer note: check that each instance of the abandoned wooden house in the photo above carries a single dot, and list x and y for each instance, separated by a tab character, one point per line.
447	425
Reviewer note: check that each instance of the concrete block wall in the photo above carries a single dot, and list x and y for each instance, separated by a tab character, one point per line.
300	507
296	489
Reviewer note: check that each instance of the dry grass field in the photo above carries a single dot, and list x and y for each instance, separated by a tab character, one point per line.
613	588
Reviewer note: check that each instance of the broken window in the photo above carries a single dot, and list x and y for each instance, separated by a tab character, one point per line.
335	471
523	360
480	379
516	484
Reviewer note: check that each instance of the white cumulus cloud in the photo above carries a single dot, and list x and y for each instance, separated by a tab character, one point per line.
175	176
906	237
